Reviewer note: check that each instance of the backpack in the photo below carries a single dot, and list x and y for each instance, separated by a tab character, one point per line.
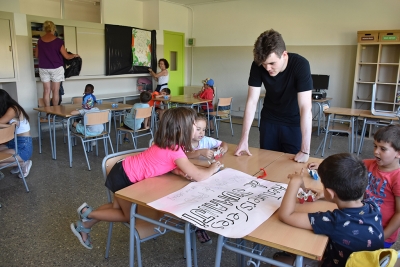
72	67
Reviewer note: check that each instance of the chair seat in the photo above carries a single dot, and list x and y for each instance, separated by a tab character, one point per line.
130	130
339	127
221	113
83	136
43	120
4	156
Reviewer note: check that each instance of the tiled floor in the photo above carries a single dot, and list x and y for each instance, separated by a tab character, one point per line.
35	226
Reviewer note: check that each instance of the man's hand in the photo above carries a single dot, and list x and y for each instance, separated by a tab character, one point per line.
243	147
301	157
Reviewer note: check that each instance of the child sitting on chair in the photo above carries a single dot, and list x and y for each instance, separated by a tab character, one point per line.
160	106
208	93
88	101
136	124
357	223
383	174
204	146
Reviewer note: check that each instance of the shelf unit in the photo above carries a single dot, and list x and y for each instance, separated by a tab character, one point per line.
37	32
378	61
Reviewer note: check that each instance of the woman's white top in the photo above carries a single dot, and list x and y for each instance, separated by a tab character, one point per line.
163	80
22	126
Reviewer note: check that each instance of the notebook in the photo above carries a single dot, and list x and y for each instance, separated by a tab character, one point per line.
375	112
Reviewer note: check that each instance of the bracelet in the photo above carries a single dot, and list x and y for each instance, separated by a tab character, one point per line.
304	152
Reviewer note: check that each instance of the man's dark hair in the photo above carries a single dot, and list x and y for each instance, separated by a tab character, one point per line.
389	134
267	43
345	174
145	97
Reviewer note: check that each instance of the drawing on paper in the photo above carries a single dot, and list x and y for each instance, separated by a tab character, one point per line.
141	47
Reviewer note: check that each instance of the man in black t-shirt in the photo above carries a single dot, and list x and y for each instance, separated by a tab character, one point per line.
286	118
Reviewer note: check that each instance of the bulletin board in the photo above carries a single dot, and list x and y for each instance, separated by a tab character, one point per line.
129	50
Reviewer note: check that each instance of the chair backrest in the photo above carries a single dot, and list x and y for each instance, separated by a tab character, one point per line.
142	113
76	100
97	117
224	102
110	160
7	133
376	112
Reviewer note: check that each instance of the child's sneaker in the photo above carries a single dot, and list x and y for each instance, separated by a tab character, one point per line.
93	143
203	237
126	140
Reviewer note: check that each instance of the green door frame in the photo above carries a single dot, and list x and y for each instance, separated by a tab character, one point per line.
174	52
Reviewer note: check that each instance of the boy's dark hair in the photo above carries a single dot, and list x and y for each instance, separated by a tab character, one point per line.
175	129
166	64
166	90
345	174
267	43
389	134
145	97
201	116
89	88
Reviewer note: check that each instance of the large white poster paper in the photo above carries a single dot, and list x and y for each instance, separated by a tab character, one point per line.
230	203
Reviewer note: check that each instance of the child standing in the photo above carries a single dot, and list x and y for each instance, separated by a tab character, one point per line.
88	101
384	184
355	226
136	124
208	93
166	154
204	146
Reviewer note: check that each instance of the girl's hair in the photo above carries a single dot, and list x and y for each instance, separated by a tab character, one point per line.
166	64
48	26
89	88
201	117
175	130
7	102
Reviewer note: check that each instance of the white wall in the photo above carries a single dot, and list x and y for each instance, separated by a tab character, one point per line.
309	22
123	12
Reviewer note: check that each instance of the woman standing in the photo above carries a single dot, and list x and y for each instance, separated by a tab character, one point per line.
50	51
161	77
12	112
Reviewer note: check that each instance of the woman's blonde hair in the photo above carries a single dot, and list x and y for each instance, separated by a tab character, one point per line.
48	26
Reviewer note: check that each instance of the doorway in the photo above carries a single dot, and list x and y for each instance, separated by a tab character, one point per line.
174	47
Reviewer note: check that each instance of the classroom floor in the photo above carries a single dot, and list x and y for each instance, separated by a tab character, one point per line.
35	226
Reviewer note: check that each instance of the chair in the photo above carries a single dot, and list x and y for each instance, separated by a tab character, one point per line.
338	125
141	113
44	120
93	118
381	258
222	113
76	100
7	134
143	230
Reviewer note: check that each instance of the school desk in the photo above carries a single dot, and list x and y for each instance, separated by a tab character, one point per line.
114	97
64	112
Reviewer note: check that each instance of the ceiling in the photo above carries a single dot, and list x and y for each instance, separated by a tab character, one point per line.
192	2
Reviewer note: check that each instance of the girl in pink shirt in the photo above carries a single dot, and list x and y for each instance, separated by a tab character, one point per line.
165	155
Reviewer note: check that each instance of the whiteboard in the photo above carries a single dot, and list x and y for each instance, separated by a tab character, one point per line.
91	48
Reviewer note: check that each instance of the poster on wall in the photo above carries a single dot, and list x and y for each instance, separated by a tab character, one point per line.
129	50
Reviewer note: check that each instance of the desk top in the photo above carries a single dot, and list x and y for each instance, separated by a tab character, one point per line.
343	111
284	165
187	99
248	164
368	114
322	100
65	110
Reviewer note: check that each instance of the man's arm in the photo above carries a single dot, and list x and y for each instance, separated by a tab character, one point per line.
305	105
251	104
286	212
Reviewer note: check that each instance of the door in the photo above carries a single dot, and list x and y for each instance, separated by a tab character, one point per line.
6	56
174	47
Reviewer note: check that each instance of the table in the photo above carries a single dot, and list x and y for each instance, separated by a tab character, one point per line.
276	234
320	103
191	101
272	232
369	118
64	111
124	96
248	164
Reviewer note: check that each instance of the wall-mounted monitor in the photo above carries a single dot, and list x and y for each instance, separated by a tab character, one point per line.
320	82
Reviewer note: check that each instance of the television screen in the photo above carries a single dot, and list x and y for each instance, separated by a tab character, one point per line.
320	81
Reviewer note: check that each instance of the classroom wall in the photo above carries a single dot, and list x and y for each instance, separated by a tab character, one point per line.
325	32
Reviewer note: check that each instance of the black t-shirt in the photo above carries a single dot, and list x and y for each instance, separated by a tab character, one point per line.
280	102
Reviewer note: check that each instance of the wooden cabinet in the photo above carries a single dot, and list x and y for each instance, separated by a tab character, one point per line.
6	51
377	62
